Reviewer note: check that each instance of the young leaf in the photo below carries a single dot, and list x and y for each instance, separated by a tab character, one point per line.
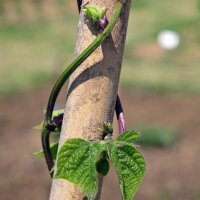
54	150
76	163
107	128
39	126
54	114
130	167
102	165
129	136
93	13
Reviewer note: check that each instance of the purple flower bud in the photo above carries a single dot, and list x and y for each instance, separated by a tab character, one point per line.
50	127
103	22
121	123
58	119
100	30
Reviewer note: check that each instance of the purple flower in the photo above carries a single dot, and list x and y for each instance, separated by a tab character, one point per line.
103	22
58	120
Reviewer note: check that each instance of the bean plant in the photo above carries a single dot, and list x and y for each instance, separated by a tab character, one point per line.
80	161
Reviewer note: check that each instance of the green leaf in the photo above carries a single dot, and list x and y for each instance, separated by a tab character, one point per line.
107	128
39	127
57	112
102	165
129	136
93	13
130	167
54	150
80	160
76	163
102	12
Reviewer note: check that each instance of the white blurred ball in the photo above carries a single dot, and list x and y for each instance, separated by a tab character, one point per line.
168	39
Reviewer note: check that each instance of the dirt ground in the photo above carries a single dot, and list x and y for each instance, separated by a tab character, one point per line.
172	174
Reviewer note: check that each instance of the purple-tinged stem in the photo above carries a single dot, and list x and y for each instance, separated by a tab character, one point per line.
120	115
79	3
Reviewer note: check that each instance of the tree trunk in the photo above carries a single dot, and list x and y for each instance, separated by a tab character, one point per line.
92	90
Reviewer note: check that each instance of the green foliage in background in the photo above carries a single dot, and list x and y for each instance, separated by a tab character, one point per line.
33	52
157	136
149	67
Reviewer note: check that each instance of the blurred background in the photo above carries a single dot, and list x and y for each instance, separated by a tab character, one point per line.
159	88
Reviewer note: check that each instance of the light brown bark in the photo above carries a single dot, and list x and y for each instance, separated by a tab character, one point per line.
92	89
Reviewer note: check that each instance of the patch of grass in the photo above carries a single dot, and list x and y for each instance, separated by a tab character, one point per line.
162	194
146	65
19	82
46	46
197	195
161	79
32	53
142	4
157	136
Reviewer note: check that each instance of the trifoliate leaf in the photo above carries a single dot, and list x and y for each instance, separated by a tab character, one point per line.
129	136
76	163
53	148
130	167
79	160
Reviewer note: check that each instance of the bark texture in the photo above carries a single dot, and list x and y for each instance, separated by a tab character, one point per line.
92	90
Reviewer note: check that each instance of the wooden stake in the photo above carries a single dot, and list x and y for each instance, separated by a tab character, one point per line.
92	90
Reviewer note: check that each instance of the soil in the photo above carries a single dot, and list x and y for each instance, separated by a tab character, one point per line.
172	173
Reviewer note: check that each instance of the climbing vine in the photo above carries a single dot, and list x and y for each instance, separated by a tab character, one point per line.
78	160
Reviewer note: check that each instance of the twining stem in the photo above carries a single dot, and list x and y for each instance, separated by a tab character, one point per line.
78	61
65	75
